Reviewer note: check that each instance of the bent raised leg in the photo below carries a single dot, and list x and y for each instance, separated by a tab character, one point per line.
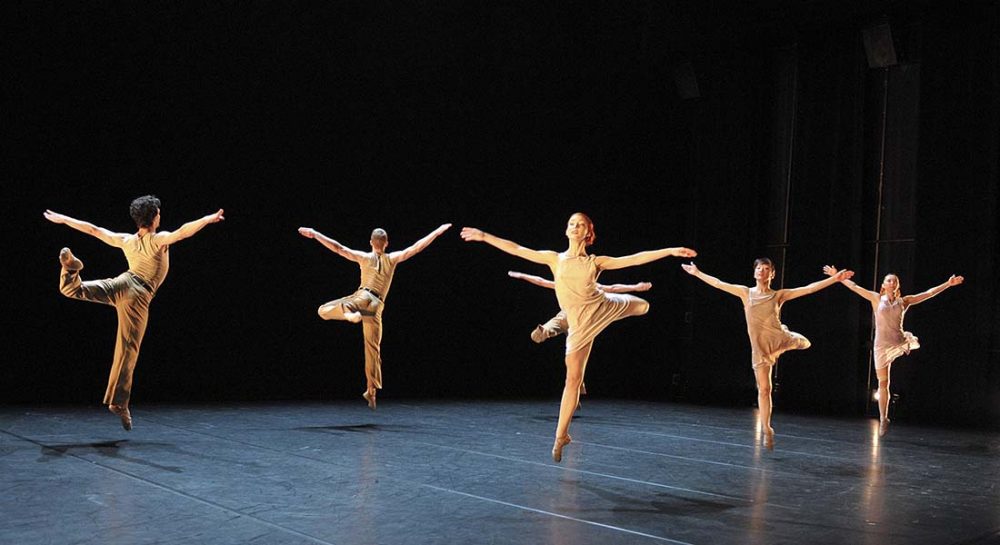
557	325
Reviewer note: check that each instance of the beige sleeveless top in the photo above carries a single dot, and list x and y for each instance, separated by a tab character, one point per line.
376	273
147	259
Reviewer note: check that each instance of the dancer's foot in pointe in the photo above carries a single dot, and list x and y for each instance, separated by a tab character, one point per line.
883	427
769	438
558	447
69	261
122	413
353	317
369	396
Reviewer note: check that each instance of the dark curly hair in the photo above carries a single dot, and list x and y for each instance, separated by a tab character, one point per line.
144	210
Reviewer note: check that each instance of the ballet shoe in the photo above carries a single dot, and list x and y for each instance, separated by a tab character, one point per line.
883	427
69	261
769	439
370	398
538	334
557	448
124	414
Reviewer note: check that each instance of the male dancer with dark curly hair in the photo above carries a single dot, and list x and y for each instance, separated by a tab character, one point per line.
130	292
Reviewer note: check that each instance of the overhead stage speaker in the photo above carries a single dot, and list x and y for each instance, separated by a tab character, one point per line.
687	83
878	46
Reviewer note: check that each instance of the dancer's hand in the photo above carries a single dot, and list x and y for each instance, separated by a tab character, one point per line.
955	280
843	275
690	268
54	217
471	234
644	286
515	274
215	218
685	252
829	270
307	232
444	227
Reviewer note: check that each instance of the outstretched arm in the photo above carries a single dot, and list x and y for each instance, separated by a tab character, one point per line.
625	288
104	235
332	245
921	297
641	258
544	257
871	296
166	238
795	293
742	292
532	279
419	245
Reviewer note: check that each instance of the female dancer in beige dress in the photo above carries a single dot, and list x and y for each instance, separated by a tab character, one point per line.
130	292
558	324
891	342
588	310
769	338
367	303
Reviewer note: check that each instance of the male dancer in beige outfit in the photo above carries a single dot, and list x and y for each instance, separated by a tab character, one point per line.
130	292
367	303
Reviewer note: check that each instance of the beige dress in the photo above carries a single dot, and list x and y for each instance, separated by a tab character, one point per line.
891	341
369	300
769	338
588	309
130	293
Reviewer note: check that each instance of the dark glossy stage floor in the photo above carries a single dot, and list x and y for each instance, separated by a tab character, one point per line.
480	472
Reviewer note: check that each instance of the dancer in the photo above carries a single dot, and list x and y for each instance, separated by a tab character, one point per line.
148	256
588	310
769	338
557	325
367	303
891	342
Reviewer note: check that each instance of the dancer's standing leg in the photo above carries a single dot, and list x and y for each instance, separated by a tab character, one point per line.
883	399
763	377
576	365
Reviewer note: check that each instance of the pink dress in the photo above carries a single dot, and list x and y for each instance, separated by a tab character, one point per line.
891	341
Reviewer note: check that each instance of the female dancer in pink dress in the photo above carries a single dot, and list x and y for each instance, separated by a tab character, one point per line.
588	310
769	338
891	342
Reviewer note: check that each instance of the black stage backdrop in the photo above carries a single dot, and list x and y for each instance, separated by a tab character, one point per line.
763	131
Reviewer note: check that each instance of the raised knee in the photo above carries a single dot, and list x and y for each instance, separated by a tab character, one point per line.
323	312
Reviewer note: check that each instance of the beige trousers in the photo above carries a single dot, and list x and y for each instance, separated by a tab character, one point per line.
557	325
370	308
131	301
